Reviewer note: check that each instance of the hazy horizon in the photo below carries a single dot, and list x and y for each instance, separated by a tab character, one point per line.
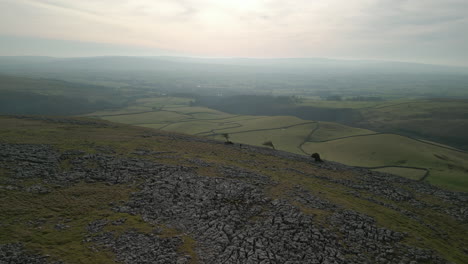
428	32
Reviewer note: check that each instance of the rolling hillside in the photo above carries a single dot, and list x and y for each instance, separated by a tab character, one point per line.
21	95
81	190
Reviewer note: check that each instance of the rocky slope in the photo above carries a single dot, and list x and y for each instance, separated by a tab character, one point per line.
192	200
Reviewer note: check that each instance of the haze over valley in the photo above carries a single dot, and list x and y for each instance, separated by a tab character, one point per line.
202	131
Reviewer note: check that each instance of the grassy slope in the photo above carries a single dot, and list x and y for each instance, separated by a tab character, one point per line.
443	120
55	88
17	208
288	139
440	120
316	102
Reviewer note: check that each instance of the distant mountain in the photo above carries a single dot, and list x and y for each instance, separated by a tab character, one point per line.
297	65
293	76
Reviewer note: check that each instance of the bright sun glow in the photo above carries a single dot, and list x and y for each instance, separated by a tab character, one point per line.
251	27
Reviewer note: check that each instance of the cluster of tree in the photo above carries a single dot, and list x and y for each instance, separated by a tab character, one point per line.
354	98
365	98
246	104
270	105
334	98
23	103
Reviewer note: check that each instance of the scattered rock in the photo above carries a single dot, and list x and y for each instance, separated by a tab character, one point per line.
231	217
61	226
97	226
37	188
15	253
120	221
133	247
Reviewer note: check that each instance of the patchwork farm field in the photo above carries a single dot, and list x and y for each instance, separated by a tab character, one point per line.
392	153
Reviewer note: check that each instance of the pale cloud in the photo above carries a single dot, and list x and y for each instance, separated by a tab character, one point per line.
430	30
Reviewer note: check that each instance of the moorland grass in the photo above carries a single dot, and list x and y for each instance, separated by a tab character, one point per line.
81	203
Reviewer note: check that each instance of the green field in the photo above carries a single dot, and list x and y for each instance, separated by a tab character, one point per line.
317	102
148	118
440	120
447	167
288	139
329	131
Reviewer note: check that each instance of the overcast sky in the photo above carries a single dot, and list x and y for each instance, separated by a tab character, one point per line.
429	31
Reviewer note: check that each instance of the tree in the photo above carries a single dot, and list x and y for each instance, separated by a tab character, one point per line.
269	144
317	158
226	136
334	98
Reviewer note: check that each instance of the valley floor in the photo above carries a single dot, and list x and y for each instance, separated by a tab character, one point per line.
408	157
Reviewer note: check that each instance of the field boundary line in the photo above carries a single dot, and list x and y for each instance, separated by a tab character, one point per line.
383	133
264	129
397	166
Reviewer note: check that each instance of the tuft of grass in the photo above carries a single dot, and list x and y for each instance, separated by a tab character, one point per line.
188	243
188	248
133	222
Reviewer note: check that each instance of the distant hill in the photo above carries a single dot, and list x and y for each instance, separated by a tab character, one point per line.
22	95
308	77
319	65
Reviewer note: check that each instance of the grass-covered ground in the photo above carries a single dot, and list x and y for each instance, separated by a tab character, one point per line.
439	120
446	167
336	142
80	203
